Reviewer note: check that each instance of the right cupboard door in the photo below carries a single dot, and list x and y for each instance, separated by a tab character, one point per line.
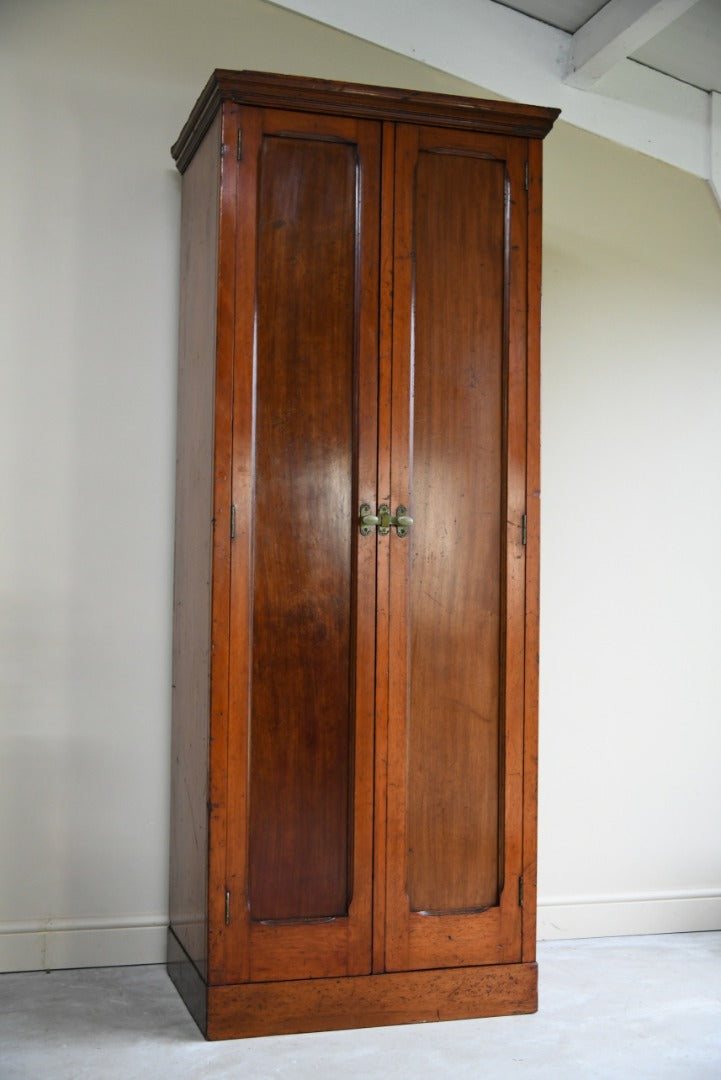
456	614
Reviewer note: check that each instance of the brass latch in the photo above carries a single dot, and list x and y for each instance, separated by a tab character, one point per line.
384	520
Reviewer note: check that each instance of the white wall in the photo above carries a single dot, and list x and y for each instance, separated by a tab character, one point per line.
93	96
631	579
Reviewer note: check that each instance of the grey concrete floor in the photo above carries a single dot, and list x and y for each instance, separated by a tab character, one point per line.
644	1008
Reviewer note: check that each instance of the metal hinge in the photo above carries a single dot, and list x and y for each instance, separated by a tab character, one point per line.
520	891
526	177
524	529
239	148
232	522
227	908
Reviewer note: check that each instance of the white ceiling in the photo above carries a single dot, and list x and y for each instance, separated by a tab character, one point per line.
688	49
567	15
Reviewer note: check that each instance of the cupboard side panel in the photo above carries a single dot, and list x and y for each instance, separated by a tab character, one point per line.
193	550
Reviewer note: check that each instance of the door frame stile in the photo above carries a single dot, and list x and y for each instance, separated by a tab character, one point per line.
397	940
383	494
237	966
515	551
221	584
533	511
360	911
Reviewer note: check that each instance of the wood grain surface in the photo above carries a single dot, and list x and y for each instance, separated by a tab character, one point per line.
371	1001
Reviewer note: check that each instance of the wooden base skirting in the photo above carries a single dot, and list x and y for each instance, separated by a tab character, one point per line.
188	981
283	1008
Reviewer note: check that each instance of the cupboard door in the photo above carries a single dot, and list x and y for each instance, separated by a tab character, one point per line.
457	586
299	843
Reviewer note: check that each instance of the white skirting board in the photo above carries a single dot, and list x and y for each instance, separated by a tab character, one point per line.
71	943
74	943
617	916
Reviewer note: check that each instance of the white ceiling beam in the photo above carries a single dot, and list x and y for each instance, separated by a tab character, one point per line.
614	33
715	148
502	51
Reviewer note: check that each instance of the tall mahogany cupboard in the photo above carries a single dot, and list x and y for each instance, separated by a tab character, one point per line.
356	565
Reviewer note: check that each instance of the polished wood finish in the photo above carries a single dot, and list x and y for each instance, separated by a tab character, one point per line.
365	263
302	581
455	544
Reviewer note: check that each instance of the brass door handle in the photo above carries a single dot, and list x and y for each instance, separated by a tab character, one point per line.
384	520
368	521
402	521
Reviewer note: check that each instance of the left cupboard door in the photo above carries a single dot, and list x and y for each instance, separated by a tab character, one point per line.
298	845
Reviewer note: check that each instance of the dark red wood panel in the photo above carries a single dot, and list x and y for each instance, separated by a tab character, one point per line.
457	486
300	771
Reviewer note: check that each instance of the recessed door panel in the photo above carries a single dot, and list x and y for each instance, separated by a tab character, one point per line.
301	715
455	547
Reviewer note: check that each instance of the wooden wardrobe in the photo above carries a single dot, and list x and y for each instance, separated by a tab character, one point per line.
356	561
